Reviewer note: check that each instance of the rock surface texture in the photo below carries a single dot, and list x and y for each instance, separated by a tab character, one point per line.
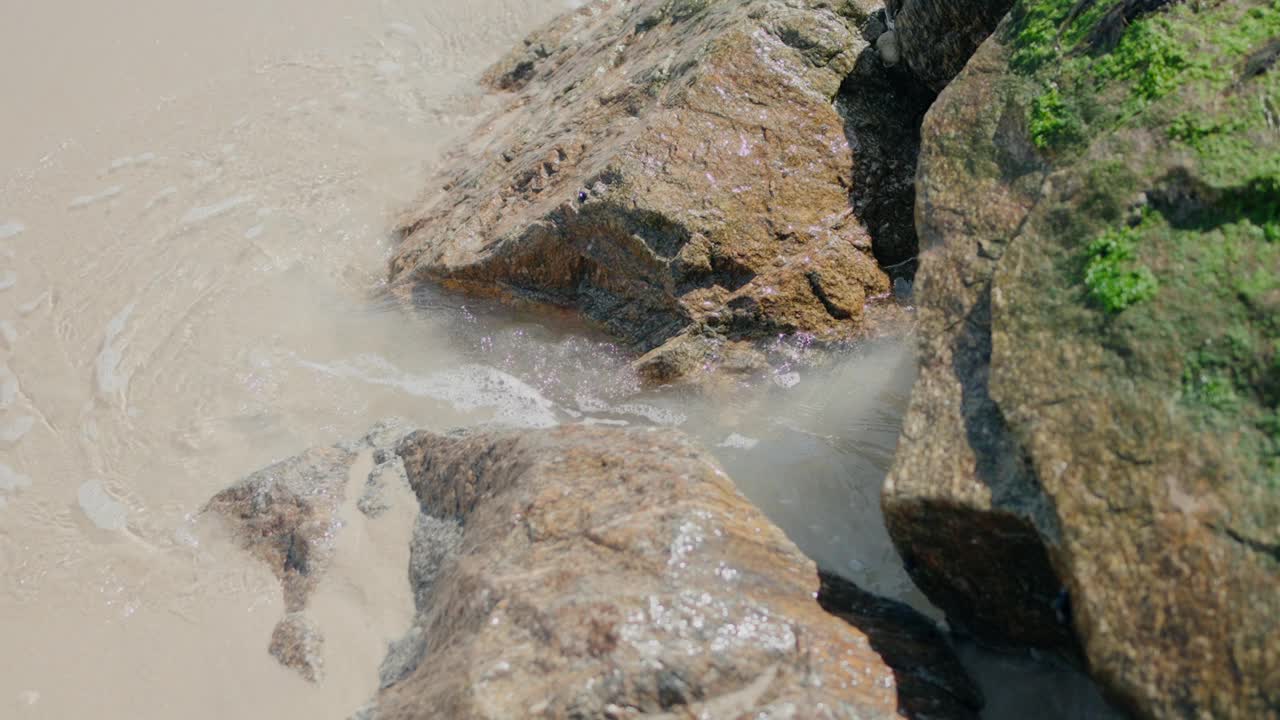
936	39
604	573
1093	445
677	172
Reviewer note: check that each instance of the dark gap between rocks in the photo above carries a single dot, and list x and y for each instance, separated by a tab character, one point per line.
883	108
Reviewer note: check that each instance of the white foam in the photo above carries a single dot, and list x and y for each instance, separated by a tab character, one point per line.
739	442
102	509
787	380
467	388
254	232
388	68
201	214
11	228
8	279
83	201
400	28
8	334
14	430
108	361
655	415
130	160
11	480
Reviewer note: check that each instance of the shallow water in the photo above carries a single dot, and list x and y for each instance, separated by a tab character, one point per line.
194	205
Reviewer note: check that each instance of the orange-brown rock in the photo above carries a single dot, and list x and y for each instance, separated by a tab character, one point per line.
604	573
669	170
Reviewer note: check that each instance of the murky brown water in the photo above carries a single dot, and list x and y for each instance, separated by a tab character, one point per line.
194	199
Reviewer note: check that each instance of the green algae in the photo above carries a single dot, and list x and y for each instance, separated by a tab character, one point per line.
1114	278
1175	86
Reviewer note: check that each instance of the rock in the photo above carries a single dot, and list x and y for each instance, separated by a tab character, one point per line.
937	38
387	470
1090	459
588	572
673	170
887	46
298	645
286	516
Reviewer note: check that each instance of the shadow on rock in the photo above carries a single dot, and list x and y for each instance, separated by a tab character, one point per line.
930	683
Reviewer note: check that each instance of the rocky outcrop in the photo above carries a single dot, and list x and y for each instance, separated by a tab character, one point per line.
677	172
287	516
1093	447
935	39
584	572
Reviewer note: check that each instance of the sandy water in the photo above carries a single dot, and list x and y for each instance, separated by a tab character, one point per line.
194	206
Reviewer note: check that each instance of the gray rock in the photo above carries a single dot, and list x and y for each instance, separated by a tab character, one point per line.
403	657
887	46
388	471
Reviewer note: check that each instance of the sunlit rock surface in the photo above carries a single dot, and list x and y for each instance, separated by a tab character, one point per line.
589	572
680	174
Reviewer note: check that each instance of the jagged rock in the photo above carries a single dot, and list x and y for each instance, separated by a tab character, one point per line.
674	170
587	572
1091	449
937	38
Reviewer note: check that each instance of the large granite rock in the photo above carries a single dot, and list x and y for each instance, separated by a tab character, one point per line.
605	573
677	172
935	38
1093	445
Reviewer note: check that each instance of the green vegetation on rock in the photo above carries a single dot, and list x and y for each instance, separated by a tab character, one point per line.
1174	113
1114	280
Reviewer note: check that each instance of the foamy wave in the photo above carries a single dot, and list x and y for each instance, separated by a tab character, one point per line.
467	388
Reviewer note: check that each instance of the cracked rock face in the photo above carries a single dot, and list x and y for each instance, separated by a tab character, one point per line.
606	573
676	172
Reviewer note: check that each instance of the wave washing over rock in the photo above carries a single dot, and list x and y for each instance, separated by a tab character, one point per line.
739	195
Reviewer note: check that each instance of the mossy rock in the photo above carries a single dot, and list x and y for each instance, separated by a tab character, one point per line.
1101	188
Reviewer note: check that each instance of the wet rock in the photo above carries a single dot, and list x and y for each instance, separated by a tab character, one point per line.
587	572
1088	463
671	170
387	470
298	645
936	39
286	516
